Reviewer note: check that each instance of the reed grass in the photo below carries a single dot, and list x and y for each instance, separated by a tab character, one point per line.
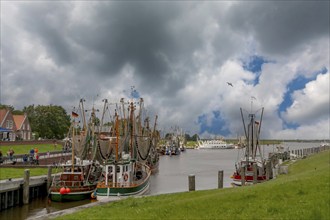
303	193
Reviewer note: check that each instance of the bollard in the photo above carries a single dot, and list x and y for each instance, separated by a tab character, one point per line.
220	179
49	176
26	186
191	179
275	171
243	176
267	170
284	170
255	173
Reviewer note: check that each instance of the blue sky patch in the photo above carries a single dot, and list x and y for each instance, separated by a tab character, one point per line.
254	65
135	94
298	83
217	125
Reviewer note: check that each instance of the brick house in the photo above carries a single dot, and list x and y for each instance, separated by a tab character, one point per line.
14	127
23	129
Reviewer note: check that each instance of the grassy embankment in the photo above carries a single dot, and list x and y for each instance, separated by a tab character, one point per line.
25	149
6	173
301	194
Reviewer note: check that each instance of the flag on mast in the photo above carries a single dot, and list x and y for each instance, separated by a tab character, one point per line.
75	115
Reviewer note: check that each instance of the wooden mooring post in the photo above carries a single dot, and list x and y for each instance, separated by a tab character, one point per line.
243	175
49	177
220	179
268	169
26	185
191	180
255	173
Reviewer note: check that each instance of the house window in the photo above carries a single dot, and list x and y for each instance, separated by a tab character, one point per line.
9	124
23	127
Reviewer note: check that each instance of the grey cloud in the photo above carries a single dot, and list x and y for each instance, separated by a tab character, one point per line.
86	45
281	26
46	23
132	33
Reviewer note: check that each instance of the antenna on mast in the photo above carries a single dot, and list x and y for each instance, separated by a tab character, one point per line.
252	98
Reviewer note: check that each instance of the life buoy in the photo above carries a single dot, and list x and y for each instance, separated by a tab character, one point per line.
125	177
93	195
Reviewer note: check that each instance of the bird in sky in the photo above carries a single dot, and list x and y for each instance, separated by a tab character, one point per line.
230	84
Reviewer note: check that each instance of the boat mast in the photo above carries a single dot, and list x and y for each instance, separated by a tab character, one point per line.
140	117
117	133
155	124
83	114
251	134
131	127
72	158
154	137
124	116
103	113
246	136
258	134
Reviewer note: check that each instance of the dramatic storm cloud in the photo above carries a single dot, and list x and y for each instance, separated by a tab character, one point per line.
179	57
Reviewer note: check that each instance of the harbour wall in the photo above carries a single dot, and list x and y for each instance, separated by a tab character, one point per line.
15	192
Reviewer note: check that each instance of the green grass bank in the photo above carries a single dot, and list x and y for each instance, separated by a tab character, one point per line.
6	173
301	194
25	149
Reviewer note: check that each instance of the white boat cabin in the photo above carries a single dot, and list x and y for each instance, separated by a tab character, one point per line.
120	173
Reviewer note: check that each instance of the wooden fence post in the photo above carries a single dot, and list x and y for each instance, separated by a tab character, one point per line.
267	170
191	179
26	186
49	177
255	173
220	179
243	176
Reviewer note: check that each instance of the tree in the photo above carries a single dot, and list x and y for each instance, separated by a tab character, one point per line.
187	137
195	137
10	107
48	121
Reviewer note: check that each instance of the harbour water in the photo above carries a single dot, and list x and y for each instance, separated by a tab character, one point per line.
172	177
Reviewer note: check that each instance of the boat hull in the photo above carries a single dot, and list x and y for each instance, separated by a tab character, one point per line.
217	147
215	144
237	179
123	191
70	197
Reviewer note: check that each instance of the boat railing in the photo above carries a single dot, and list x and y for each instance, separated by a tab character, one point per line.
116	185
68	183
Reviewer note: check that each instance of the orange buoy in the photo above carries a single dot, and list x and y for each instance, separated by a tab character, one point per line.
67	190
62	190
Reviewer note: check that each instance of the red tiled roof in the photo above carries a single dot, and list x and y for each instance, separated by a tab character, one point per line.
19	119
3	113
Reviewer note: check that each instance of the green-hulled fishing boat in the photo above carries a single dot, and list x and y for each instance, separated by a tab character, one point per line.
80	175
123	173
74	184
